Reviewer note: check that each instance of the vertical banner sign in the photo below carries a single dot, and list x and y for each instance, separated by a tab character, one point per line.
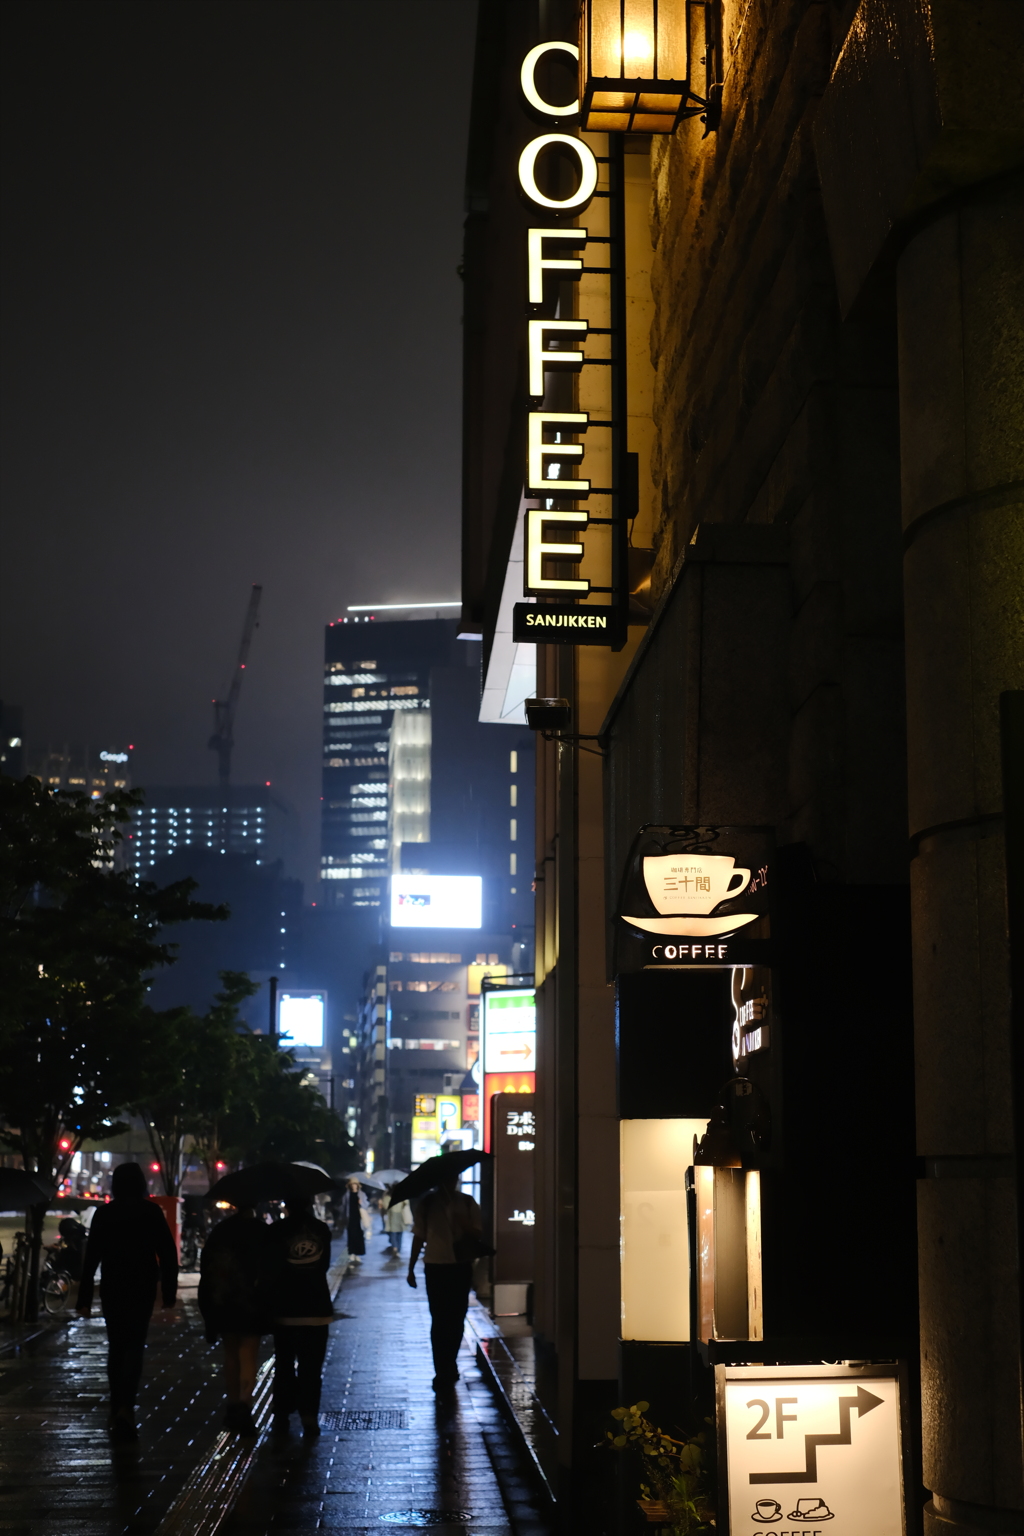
812	1449
513	1139
577	476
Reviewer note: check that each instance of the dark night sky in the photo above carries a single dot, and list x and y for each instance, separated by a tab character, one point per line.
232	321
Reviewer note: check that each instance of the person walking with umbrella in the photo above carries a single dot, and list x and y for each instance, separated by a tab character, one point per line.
298	1298
133	1242
233	1300
447	1224
302	1310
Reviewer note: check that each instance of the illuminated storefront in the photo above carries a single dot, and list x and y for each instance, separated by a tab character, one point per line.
704	490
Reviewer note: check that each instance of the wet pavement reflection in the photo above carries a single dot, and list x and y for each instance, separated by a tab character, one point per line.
390	1458
58	1469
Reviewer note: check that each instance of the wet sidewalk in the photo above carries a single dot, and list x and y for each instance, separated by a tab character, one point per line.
58	1470
390	1457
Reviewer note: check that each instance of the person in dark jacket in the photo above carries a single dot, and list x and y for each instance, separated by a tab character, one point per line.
233	1300
355	1205
133	1242
302	1310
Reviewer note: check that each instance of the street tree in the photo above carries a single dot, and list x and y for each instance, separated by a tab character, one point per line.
78	940
192	1070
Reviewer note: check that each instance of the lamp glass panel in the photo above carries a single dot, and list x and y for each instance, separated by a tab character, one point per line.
613	101
608	122
654	1253
672	49
652	122
658	101
638	40
605	19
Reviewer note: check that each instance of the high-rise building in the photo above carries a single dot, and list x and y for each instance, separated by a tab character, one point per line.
242	820
373	671
92	771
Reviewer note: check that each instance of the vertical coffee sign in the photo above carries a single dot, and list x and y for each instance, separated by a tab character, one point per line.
574	466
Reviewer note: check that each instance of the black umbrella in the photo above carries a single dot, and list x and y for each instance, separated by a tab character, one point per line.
271	1181
19	1190
433	1172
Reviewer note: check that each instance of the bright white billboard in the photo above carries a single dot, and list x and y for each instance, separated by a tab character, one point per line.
300	1018
510	1030
436	901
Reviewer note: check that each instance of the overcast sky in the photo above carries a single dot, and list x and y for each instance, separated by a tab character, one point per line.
232	355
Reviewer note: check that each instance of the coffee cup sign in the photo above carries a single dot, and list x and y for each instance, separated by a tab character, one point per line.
694	883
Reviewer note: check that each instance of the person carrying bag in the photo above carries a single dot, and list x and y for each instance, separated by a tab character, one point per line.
448	1225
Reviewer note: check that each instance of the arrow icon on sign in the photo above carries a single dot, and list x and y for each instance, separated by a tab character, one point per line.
863	1402
520	1050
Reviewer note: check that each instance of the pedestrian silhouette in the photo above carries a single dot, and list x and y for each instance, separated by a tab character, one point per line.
442	1222
396	1219
302	1310
354	1206
233	1283
132	1241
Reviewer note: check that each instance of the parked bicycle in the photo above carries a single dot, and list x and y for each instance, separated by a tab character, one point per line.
56	1278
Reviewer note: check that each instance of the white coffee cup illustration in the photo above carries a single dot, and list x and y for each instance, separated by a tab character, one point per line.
692	882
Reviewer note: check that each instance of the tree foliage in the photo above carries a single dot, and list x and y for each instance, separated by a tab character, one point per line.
78	939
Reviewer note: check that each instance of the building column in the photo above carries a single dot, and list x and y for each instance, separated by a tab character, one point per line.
961	339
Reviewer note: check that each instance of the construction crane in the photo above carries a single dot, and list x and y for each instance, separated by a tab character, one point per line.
223	738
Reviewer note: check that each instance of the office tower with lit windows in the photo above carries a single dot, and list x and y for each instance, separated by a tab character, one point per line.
374	671
89	770
242	820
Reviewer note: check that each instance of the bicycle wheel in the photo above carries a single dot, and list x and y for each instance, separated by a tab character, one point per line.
56	1290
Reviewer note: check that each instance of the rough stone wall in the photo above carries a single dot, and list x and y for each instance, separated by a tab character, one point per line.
771	408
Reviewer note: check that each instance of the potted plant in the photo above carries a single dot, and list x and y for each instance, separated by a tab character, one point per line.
673	1473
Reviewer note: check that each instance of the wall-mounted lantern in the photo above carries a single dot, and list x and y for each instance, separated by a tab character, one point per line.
635	64
725	1190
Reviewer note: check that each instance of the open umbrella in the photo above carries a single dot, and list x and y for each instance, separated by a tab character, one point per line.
389	1176
19	1190
367	1181
431	1173
271	1181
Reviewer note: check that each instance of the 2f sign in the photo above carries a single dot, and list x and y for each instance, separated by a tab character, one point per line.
813	1454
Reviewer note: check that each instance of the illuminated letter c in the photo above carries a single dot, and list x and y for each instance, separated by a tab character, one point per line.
529	84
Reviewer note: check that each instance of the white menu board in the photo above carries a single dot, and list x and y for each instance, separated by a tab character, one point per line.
812	1450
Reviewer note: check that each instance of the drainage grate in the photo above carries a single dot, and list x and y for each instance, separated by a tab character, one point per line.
365	1418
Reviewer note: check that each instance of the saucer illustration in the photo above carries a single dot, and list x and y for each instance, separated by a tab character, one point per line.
810	1509
696	927
767	1511
684	888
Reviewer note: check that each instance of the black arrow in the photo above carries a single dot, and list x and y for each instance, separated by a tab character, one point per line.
863	1402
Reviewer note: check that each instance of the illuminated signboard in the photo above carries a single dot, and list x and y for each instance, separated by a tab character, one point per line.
569	483
510	1030
698	896
809	1444
300	1018
436	901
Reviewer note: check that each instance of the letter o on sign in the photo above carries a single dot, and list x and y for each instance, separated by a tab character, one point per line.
529	84
588	173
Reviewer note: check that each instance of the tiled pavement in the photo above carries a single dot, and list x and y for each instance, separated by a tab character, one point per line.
390	1457
58	1470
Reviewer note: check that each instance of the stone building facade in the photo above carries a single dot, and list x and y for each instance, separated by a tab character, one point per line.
825	344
